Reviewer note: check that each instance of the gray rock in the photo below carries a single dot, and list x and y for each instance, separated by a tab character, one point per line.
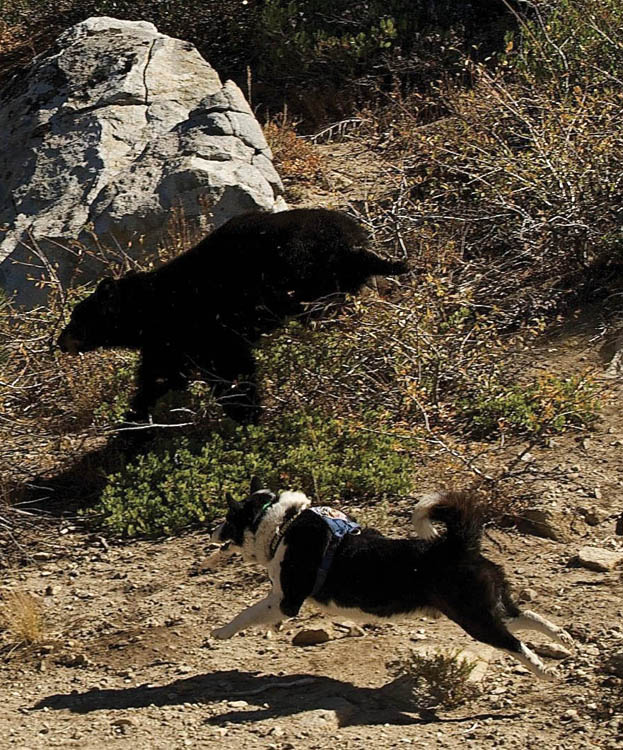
601	560
110	131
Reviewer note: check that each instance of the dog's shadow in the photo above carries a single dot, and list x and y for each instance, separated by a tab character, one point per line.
280	696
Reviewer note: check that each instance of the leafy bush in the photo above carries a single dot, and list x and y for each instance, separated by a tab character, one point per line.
330	459
570	43
548	404
320	54
431	359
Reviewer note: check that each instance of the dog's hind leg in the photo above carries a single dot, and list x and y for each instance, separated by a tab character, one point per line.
265	612
487	628
530	660
527	620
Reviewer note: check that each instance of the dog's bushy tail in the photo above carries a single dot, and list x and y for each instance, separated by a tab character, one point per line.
458	511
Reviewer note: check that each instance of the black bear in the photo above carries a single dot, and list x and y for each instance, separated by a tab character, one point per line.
208	307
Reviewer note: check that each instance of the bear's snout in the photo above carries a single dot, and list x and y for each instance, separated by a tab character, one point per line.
68	343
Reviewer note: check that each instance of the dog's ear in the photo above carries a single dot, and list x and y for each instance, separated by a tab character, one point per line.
231	503
256	485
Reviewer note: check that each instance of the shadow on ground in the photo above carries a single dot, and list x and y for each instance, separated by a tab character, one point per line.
281	696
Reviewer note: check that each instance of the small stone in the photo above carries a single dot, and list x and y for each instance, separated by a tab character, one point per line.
527	595
571	715
593	517
551	650
124	725
355	631
237	704
601	560
614	665
311	637
597	493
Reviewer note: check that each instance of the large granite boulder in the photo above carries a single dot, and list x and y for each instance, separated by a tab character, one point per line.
105	135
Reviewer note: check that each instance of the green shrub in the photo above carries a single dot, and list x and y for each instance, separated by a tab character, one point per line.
117	391
548	404
303	36
330	459
570	42
432	360
320	55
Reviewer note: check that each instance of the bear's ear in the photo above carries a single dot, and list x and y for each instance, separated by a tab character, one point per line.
256	485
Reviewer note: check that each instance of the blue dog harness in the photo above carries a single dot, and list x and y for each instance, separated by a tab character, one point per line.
339	525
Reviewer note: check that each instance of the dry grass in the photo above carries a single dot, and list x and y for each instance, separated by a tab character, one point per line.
428	681
295	158
22	620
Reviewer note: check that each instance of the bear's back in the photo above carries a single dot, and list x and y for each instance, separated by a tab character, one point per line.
271	248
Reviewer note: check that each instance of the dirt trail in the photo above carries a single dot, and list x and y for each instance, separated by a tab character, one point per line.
131	661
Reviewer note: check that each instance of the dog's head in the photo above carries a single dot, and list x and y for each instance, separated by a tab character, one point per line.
245	516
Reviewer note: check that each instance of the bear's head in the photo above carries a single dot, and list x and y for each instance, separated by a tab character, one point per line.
95	322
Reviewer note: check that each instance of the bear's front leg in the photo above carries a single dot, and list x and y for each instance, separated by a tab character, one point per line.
265	612
234	380
160	371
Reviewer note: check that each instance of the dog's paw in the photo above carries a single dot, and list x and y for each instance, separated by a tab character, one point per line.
222	633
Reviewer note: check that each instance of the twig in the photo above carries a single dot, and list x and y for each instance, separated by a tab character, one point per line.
275	686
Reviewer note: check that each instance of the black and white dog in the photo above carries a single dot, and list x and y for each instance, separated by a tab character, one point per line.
365	576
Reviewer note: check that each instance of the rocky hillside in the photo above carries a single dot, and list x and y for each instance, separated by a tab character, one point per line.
494	365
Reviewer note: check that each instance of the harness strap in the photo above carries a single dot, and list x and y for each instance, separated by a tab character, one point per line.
339	526
275	541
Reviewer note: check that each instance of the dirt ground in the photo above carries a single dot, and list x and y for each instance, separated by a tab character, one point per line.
129	662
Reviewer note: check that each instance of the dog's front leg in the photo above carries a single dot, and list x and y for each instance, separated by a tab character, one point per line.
266	612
